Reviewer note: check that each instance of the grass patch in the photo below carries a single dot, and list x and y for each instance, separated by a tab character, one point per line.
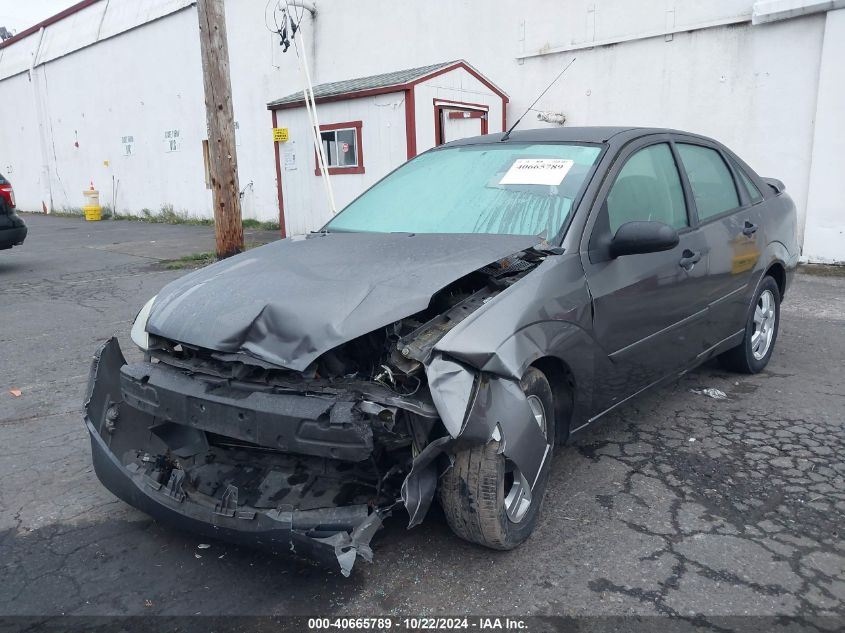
199	260
194	260
69	212
249	223
822	270
166	214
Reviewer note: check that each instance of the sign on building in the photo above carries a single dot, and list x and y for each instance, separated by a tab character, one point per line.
172	141
128	143
280	134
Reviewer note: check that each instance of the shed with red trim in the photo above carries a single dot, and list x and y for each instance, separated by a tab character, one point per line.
386	118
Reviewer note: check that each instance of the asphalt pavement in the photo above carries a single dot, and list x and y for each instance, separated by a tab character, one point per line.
679	504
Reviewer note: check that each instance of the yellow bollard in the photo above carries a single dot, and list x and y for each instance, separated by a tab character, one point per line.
93	210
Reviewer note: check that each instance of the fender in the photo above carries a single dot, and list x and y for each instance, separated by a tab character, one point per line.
474	372
556	290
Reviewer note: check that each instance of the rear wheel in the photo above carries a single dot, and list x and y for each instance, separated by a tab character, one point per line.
485	497
761	332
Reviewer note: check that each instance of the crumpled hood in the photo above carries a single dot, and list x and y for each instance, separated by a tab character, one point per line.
290	301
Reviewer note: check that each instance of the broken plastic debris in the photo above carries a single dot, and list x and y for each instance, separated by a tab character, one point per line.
692	439
203	546
197	556
15	392
716	394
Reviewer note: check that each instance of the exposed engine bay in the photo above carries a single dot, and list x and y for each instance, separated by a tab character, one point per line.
310	461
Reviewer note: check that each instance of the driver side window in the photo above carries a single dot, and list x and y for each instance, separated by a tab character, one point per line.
648	189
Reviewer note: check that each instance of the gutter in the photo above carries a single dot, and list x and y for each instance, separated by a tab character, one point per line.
667	32
763	12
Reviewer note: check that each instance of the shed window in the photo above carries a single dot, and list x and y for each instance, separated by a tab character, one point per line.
341	148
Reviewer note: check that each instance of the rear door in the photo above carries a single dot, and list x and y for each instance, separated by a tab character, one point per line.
647	308
729	220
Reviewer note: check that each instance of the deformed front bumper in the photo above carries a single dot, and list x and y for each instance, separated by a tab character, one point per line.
333	536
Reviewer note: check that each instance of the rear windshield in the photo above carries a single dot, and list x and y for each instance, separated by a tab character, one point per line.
3	181
518	189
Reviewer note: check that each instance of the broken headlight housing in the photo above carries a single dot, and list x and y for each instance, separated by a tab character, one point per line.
139	333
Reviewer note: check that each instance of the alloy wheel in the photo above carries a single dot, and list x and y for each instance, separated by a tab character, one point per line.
765	317
518	498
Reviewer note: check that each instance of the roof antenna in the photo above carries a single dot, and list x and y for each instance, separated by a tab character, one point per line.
528	109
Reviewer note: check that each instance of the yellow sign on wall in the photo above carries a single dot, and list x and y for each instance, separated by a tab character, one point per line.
280	134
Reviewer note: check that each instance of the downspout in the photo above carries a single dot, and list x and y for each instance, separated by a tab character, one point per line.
42	128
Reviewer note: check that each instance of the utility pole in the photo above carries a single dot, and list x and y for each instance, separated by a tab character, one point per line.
219	114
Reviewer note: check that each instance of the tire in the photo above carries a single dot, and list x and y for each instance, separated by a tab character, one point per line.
473	491
749	356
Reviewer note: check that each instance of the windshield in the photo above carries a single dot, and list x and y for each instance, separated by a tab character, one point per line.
516	189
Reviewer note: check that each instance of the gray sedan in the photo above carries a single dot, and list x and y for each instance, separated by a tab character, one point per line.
439	337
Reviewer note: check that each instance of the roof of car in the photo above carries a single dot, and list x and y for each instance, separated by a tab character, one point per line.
596	134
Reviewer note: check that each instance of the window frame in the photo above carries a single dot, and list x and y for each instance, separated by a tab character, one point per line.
335	127
595	245
740	172
741	195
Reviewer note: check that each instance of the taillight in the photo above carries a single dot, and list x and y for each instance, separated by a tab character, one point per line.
11	193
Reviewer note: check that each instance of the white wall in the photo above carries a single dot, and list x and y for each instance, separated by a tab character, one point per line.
259	74
20	157
825	238
138	84
742	85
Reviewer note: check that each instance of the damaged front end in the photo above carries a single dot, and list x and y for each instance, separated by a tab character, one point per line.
311	462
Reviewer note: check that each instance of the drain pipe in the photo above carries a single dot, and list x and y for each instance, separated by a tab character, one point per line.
46	190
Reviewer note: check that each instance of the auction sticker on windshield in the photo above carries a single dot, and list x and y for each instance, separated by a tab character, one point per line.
537	171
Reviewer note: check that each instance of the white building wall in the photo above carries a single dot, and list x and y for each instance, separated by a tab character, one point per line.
739	84
140	84
383	145
825	237
124	98
259	73
20	157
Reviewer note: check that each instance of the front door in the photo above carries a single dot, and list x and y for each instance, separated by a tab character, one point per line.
647	308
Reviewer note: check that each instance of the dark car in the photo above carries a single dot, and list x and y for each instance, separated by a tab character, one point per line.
12	226
439	336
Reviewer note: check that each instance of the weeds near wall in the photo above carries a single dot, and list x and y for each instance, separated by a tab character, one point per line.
166	214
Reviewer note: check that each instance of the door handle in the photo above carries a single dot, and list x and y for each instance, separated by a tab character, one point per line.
689	259
749	229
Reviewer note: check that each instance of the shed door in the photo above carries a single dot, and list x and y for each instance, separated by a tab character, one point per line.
456	122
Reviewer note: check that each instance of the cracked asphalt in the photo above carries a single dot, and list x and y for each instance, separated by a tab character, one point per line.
678	504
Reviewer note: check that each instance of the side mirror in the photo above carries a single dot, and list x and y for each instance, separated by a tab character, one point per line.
633	238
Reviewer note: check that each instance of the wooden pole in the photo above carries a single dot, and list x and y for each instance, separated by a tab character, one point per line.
220	117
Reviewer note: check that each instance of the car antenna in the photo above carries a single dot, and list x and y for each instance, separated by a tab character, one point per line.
528	109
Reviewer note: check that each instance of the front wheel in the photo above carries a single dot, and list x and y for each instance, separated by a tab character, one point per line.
485	497
761	332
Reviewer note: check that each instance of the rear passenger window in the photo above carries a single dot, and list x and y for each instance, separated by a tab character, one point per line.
712	185
750	187
648	188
